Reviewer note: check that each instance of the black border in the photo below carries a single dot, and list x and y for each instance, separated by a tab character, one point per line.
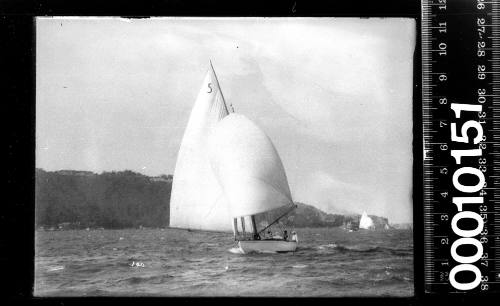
357	8
17	221
18	27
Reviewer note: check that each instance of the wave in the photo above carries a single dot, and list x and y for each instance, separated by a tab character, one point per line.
394	278
400	252
236	251
344	248
299	266
155	279
366	249
55	268
302	249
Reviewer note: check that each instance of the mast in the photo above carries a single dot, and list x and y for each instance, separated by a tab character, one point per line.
254	226
235	227
220	90
243	224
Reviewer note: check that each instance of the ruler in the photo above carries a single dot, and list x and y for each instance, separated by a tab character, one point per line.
460	43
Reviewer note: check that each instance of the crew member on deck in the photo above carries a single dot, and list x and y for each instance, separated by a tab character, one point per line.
294	236
285	235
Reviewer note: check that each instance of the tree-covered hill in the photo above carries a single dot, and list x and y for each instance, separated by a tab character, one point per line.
109	200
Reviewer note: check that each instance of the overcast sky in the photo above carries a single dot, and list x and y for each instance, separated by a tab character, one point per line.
333	94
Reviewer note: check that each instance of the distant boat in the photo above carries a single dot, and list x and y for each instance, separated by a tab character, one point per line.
229	176
365	222
348	226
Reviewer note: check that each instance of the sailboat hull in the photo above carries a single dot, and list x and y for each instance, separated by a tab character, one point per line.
267	246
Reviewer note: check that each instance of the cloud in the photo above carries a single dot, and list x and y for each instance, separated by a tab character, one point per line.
338	88
333	195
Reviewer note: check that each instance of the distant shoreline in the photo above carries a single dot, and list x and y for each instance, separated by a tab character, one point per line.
70	199
189	230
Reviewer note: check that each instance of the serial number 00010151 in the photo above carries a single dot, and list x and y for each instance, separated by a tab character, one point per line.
460	71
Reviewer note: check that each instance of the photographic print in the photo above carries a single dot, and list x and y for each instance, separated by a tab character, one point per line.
224	157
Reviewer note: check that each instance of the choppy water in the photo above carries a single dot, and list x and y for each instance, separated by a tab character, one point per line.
171	262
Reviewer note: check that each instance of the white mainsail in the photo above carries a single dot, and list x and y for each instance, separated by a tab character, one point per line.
248	167
365	222
197	200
